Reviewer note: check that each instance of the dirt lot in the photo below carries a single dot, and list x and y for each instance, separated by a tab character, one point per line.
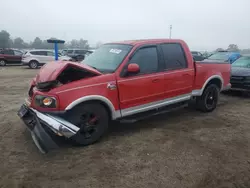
179	149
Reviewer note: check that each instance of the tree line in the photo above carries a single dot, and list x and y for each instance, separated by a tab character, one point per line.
7	42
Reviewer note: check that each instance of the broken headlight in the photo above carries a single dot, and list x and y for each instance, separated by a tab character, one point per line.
45	101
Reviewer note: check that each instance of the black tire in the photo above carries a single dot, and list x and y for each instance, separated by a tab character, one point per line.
92	119
33	64
2	62
209	99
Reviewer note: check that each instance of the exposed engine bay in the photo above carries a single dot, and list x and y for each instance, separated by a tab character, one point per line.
70	74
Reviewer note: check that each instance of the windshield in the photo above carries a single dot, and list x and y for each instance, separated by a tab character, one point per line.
220	56
108	57
242	62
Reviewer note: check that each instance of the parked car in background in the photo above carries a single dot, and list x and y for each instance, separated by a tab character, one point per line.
77	54
224	56
198	56
10	56
124	81
36	58
240	74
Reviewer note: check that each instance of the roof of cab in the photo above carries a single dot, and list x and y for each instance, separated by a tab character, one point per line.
147	41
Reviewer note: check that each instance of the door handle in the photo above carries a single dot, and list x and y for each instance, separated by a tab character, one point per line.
155	80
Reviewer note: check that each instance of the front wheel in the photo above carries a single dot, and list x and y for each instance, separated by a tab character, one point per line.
92	119
209	99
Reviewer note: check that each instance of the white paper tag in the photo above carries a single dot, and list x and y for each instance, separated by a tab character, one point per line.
116	51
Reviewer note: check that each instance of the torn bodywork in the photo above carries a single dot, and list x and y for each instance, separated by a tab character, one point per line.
46	125
56	74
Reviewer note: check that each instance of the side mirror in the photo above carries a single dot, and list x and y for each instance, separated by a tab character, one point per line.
133	68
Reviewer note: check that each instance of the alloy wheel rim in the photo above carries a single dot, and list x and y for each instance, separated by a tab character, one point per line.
2	62
33	65
211	99
89	124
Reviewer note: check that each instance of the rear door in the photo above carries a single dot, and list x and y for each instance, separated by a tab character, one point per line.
178	77
138	92
9	56
40	56
50	56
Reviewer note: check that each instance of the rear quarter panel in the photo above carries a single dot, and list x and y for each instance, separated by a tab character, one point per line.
206	71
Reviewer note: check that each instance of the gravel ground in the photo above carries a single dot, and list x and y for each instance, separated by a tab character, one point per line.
184	148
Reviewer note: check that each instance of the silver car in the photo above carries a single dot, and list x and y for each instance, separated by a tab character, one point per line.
36	58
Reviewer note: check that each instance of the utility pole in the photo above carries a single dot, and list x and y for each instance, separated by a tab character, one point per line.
170	31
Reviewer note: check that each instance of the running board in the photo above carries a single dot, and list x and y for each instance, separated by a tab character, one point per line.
145	115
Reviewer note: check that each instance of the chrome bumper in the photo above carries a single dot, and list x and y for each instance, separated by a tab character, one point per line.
58	125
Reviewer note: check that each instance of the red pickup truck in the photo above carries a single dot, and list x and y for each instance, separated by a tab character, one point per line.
119	81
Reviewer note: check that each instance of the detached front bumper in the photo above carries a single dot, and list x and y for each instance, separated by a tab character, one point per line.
45	128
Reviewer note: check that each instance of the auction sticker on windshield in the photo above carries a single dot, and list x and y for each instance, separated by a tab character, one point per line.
116	51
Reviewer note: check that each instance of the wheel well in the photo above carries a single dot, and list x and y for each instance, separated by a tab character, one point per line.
33	60
99	102
215	81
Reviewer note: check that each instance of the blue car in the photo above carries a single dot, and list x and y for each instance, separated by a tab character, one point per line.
224	56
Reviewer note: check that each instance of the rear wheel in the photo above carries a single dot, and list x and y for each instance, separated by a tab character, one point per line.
209	99
33	64
2	62
92	119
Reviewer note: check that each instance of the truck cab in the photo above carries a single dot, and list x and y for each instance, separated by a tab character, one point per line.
121	81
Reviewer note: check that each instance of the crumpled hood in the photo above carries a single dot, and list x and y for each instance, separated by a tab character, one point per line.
240	71
50	71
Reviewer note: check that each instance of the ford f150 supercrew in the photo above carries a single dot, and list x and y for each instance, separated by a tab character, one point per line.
119	81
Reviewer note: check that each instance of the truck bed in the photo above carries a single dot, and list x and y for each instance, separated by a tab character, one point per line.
217	69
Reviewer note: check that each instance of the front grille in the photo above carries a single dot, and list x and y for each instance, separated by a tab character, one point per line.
240	82
237	79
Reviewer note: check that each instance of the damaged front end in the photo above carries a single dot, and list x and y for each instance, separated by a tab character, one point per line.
45	128
38	111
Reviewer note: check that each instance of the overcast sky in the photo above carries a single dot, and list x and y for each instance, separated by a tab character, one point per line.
203	24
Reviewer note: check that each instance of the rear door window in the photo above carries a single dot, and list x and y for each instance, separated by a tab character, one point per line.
174	56
8	52
50	53
40	53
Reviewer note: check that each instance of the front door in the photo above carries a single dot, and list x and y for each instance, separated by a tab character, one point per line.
50	56
139	92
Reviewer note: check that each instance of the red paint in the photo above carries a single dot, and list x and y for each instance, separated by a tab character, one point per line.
10	58
135	90
133	68
51	70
